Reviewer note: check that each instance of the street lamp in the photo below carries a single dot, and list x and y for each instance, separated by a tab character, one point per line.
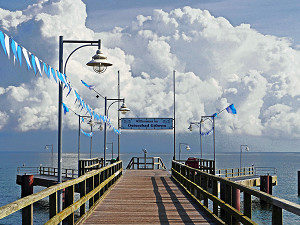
92	123
198	124
187	147
123	109
241	148
62	69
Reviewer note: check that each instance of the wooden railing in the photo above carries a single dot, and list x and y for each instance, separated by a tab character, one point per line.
236	172
87	165
93	187
205	165
203	187
143	163
47	171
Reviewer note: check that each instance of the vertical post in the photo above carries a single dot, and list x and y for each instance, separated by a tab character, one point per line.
174	120
69	200
299	183
214	139
112	150
60	100
241	158
27	189
79	127
276	215
215	193
52	205
105	127
200	130
82	194
236	202
247	205
118	115
91	143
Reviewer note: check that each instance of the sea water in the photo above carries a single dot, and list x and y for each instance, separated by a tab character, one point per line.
287	165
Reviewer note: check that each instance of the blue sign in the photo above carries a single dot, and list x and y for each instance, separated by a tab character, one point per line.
147	123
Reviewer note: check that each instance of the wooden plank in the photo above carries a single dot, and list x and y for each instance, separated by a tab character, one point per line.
148	196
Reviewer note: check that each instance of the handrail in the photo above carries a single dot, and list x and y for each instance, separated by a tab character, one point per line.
197	183
144	162
46	170
235	172
95	182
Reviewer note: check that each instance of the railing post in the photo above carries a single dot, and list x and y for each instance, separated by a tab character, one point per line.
222	197
205	186
215	193
91	187
276	215
97	182
247	205
228	200
82	194
27	189
69	200
236	202
52	205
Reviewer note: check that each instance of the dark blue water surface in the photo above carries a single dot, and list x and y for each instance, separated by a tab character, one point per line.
287	165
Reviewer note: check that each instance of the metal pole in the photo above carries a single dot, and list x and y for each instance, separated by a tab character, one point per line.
79	128
60	100
200	138
118	115
241	158
105	113
91	144
214	139
174	116
112	150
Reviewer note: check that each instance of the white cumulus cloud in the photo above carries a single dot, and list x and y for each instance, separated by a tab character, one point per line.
216	64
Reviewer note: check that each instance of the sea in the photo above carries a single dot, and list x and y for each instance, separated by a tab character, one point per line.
286	163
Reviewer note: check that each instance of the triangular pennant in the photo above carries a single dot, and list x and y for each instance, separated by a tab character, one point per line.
46	70
19	52
25	53
6	40
38	64
53	73
2	41
33	63
14	49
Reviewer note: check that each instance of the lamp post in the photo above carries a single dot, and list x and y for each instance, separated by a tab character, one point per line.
241	148
187	147
112	148
99	64
198	124
123	109
92	123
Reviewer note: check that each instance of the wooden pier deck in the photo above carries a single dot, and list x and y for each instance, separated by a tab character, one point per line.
147	197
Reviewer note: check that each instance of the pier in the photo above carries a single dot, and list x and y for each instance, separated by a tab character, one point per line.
147	193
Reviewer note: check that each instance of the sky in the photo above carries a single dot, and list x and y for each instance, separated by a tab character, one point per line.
225	51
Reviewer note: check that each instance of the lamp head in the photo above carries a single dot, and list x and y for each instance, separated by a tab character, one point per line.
188	147
190	127
99	62
124	109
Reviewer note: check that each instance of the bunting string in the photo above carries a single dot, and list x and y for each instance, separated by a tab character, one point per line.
39	67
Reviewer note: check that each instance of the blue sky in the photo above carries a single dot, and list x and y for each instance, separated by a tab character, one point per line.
269	81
